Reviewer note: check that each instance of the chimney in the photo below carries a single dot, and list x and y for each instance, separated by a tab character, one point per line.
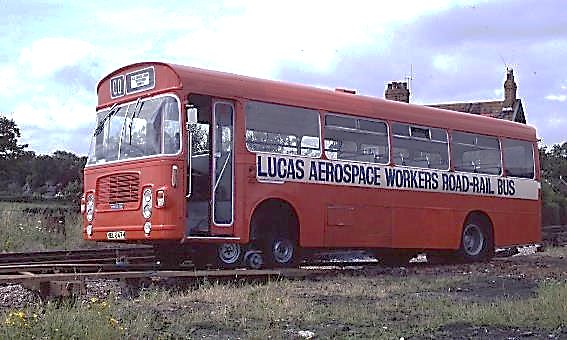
397	91
510	88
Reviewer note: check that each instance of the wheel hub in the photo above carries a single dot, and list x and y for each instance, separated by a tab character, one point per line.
473	240
282	250
229	253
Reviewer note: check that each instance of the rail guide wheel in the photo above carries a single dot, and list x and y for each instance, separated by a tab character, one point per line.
254	259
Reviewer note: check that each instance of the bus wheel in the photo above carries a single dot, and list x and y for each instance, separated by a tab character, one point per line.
283	251
254	259
476	241
229	254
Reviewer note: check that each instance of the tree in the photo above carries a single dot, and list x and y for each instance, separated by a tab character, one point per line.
9	134
554	183
12	157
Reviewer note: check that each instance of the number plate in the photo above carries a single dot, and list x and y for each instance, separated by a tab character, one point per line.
116	235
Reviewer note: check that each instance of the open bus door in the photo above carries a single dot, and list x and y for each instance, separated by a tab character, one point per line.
210	189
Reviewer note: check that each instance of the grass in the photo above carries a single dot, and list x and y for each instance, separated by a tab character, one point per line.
337	307
559	252
22	231
344	306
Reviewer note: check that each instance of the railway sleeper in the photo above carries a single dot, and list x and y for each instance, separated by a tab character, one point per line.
56	288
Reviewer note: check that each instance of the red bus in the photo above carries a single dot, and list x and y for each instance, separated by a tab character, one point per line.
263	171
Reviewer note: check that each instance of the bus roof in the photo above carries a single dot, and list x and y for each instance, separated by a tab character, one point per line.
186	80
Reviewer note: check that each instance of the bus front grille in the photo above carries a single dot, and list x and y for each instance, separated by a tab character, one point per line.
118	191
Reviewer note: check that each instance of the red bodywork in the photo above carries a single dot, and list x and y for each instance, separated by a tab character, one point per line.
329	216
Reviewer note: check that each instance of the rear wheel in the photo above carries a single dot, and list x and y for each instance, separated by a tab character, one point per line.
476	240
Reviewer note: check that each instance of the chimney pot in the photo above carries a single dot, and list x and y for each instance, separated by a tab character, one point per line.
510	89
397	91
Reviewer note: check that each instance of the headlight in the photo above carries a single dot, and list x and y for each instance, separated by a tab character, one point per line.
90	207
147	203
147	228
90	230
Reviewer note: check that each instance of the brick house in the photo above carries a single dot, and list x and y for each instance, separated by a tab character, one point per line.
510	108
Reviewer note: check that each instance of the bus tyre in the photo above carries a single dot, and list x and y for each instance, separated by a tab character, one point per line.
476	241
283	251
229	255
254	259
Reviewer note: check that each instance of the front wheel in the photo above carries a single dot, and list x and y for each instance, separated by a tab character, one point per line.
229	255
476	241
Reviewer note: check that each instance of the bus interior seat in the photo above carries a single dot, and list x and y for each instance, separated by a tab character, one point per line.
399	159
349	152
421	163
380	158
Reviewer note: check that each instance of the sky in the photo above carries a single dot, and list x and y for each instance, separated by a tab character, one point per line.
54	52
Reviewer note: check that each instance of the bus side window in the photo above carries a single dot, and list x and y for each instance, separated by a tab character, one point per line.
419	146
476	153
282	129
518	158
356	139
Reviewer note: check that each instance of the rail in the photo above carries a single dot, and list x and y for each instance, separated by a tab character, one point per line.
554	235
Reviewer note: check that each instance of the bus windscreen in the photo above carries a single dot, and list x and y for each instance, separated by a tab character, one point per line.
139	129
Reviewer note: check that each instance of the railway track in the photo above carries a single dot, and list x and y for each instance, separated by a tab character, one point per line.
63	273
555	235
78	260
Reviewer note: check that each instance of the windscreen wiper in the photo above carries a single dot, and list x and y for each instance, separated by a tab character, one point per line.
124	124
110	113
137	109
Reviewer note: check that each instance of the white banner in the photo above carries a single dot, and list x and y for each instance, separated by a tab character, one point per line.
281	168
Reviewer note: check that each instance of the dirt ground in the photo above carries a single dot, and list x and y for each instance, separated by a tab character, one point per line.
376	293
516	277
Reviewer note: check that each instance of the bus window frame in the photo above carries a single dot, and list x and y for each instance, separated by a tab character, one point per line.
453	159
504	167
319	129
409	137
356	130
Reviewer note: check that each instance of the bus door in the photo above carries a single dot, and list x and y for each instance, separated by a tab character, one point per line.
222	181
209	165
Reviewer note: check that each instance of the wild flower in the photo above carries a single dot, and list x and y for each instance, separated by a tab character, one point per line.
19	319
113	322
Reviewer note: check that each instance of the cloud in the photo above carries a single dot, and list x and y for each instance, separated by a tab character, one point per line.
494	21
54	53
49	54
560	98
10	81
51	111
460	53
83	75
257	38
49	91
47	140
